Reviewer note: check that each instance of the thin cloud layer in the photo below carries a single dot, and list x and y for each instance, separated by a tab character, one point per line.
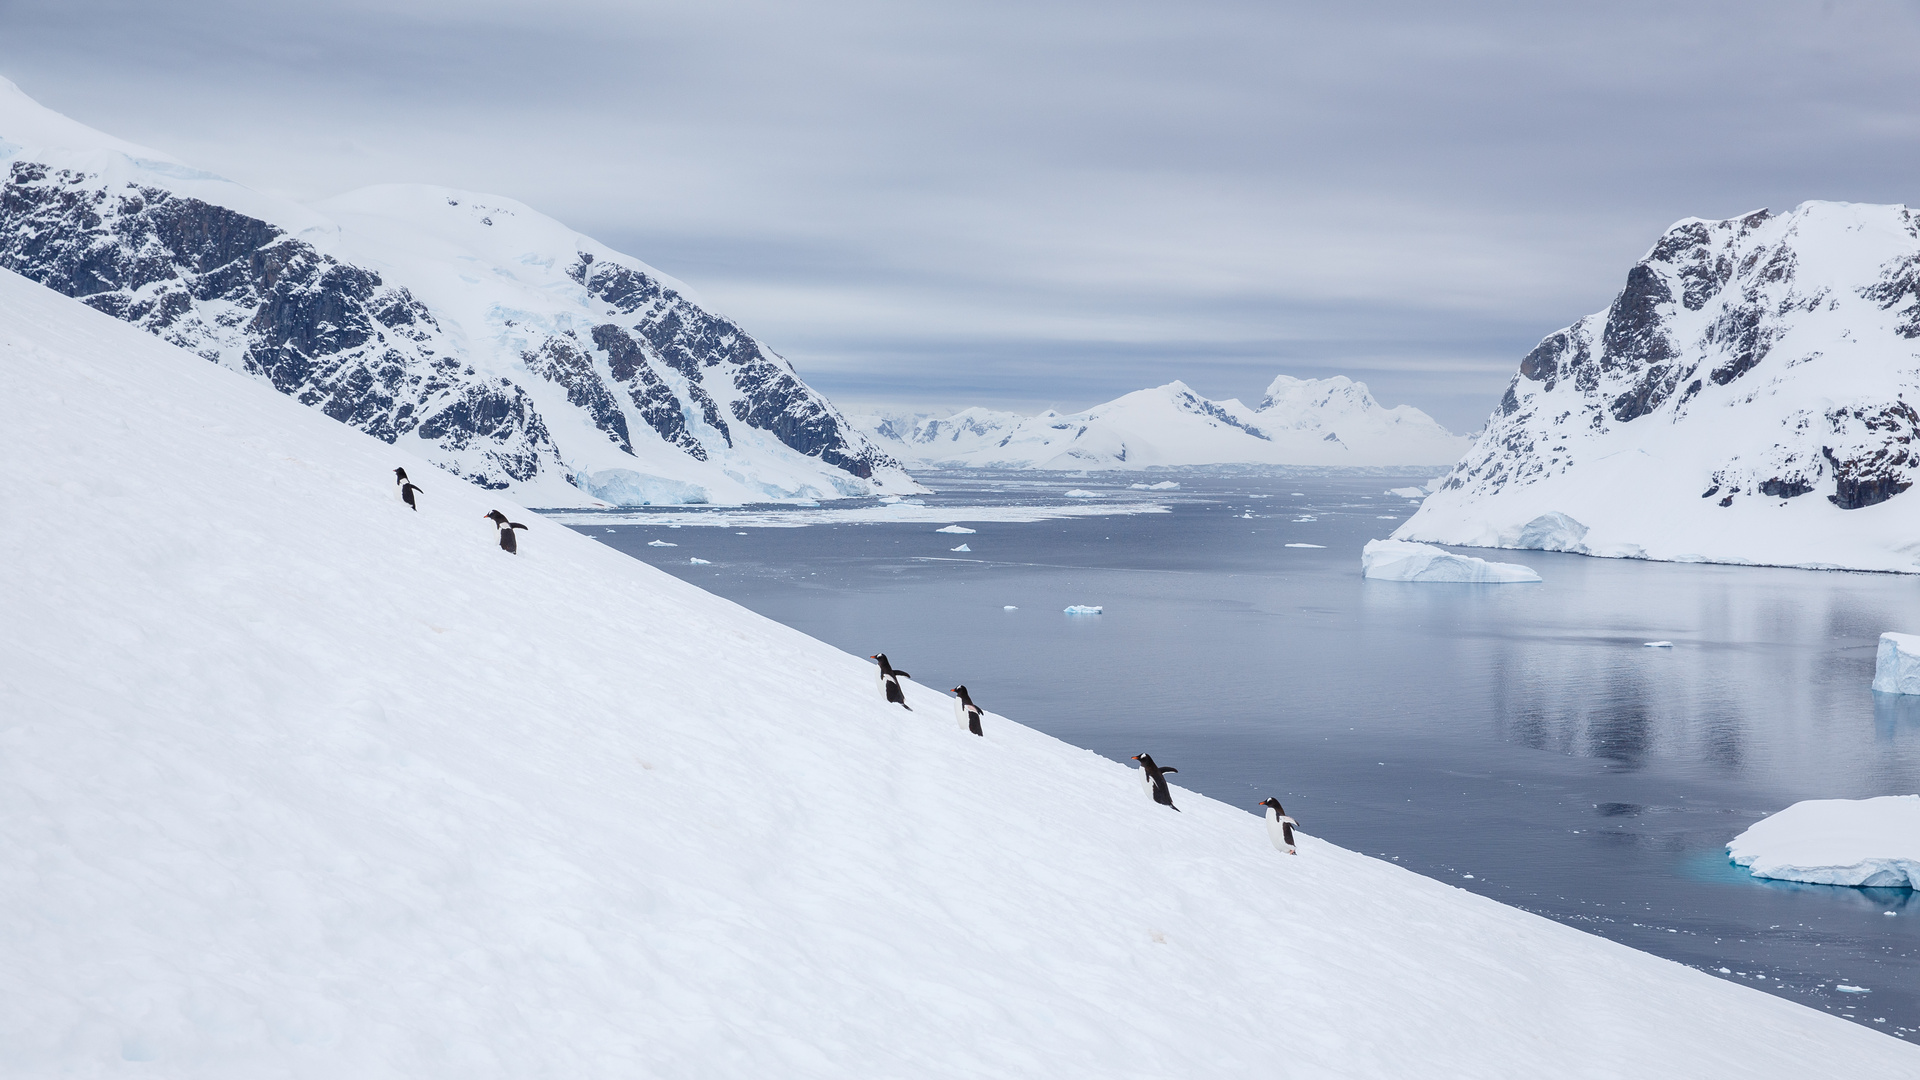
1049	203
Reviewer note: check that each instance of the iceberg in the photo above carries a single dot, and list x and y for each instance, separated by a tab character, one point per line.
1164	485
1307	545
1404	560
699	562
1860	842
957	530
1657	645
1082	493
1896	670
660	543
1083	609
1408	492
1553	532
962	547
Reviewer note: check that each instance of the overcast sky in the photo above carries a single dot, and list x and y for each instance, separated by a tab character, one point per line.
1032	204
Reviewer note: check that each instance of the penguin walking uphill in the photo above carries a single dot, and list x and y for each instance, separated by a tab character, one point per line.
507	542
969	712
890	682
1279	826
407	488
1154	779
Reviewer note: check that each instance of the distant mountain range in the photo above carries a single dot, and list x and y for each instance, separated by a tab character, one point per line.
1744	399
473	330
1317	422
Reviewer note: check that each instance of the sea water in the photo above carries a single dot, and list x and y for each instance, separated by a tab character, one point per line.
1520	741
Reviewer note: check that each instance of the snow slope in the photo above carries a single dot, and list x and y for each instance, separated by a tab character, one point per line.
1743	400
468	328
1863	842
298	782
1300	422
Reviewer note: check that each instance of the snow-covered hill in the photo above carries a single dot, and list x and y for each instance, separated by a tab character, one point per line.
1744	399
468	328
295	781
1299	422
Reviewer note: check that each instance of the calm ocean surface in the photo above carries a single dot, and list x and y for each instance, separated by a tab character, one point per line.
1515	740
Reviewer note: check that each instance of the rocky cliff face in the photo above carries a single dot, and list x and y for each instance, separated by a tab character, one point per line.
598	378
1745	397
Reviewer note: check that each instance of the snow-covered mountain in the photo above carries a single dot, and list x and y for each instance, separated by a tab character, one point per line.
1299	422
488	338
298	782
1744	399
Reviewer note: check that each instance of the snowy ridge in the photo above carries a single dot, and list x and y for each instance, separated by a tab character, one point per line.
1321	422
480	334
1745	399
299	782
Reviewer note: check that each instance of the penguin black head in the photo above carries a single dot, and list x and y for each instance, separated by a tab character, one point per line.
399	476
496	516
1145	760
880	656
1275	803
962	691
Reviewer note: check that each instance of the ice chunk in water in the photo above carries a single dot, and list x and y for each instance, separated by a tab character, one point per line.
1083	609
1659	645
699	562
962	547
1307	545
1897	669
1082	493
1404	560
957	529
660	543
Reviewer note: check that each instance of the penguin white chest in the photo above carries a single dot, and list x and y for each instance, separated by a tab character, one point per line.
960	710
1146	782
1277	830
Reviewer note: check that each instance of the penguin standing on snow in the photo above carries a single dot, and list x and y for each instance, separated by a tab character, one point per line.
507	542
890	682
969	712
407	488
1154	779
1279	826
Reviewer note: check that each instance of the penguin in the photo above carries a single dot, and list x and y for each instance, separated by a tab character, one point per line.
507	543
968	711
890	682
1154	779
407	488
1279	826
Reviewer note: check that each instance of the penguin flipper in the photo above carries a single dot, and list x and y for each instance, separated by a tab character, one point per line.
901	674
1169	770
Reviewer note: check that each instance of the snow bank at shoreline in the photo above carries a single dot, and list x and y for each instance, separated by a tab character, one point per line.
299	782
1861	842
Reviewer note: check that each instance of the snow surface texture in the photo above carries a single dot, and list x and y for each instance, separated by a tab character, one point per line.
1749	397
465	328
1398	560
897	512
1300	422
1864	842
1896	668
297	782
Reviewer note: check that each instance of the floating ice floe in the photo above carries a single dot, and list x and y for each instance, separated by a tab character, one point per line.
1404	560
1083	609
660	543
1658	645
1164	485
1307	545
1298	494
1852	989
1082	493
700	562
1306	517
1010	607
962	547
1897	668
1861	842
957	530
1408	492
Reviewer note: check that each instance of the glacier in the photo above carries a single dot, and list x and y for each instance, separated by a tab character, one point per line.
1319	422
468	328
1745	399
1857	842
298	782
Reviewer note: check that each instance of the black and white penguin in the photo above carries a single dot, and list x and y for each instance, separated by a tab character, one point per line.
407	488
890	682
1154	779
507	543
969	712
1279	826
